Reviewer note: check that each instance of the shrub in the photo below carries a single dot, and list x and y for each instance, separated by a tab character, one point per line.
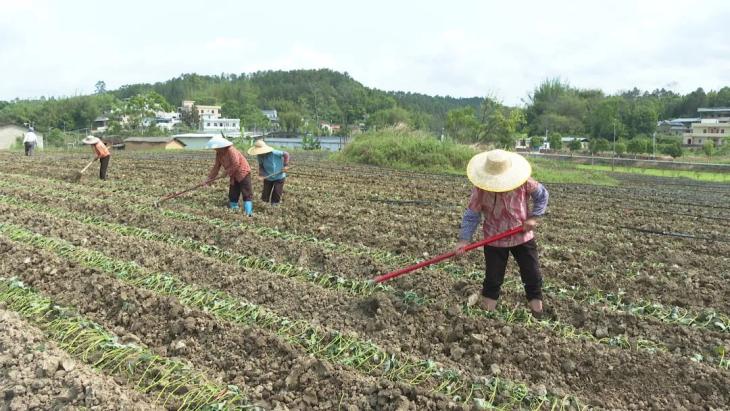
310	143
575	145
406	149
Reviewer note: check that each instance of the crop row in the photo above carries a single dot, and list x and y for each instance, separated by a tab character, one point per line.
670	314
331	346
707	319
174	382
510	315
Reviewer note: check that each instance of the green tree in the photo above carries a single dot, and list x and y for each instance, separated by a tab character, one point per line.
555	140
606	116
501	130
536	142
462	124
291	121
310	143
620	148
388	117
254	119
140	107
575	145
642	120
637	146
191	118
598	145
54	138
100	87
673	149
708	148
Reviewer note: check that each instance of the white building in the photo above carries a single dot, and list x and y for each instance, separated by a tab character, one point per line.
272	115
714	126
523	143
167	120
100	124
217	125
203	111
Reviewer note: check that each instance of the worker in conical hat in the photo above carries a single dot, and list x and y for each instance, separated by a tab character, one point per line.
273	165
502	190
102	154
238	170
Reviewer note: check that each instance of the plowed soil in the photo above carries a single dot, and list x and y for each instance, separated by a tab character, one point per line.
604	252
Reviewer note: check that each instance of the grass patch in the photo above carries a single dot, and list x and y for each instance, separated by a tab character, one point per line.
689	174
407	150
556	171
418	151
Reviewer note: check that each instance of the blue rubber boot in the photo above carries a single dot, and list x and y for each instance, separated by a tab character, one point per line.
233	205
248	208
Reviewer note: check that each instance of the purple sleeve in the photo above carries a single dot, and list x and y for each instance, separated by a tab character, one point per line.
469	224
539	201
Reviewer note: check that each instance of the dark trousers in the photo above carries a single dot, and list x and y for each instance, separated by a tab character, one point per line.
104	164
273	190
241	188
496	263
29	148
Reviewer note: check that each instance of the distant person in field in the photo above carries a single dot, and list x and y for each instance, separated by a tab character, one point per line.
30	139
503	188
273	165
101	152
237	169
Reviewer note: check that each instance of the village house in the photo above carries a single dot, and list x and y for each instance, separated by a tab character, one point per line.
714	126
153	143
203	111
217	125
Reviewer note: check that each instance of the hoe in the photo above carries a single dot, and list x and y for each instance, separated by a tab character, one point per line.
77	175
439	258
178	194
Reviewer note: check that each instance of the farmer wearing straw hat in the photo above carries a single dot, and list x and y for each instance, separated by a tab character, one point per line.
273	165
237	169
502	189
102	154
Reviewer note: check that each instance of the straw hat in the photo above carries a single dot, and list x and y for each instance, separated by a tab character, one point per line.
498	170
260	147
90	140
218	142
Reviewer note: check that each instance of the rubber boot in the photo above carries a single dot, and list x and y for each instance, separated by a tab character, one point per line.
248	208
233	205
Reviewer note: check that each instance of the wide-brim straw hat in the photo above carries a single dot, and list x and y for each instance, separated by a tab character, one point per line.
498	170
218	142
90	140
260	147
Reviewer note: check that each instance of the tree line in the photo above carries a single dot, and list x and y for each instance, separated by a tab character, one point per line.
304	98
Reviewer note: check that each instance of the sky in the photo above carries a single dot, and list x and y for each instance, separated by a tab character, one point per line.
502	49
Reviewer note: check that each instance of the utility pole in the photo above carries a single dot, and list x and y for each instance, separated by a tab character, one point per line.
613	160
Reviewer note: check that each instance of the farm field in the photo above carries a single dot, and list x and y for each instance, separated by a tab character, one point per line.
189	305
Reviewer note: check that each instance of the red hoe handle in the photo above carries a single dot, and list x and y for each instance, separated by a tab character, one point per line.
439	258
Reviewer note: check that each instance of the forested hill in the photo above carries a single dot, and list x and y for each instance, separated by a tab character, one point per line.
323	95
302	97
